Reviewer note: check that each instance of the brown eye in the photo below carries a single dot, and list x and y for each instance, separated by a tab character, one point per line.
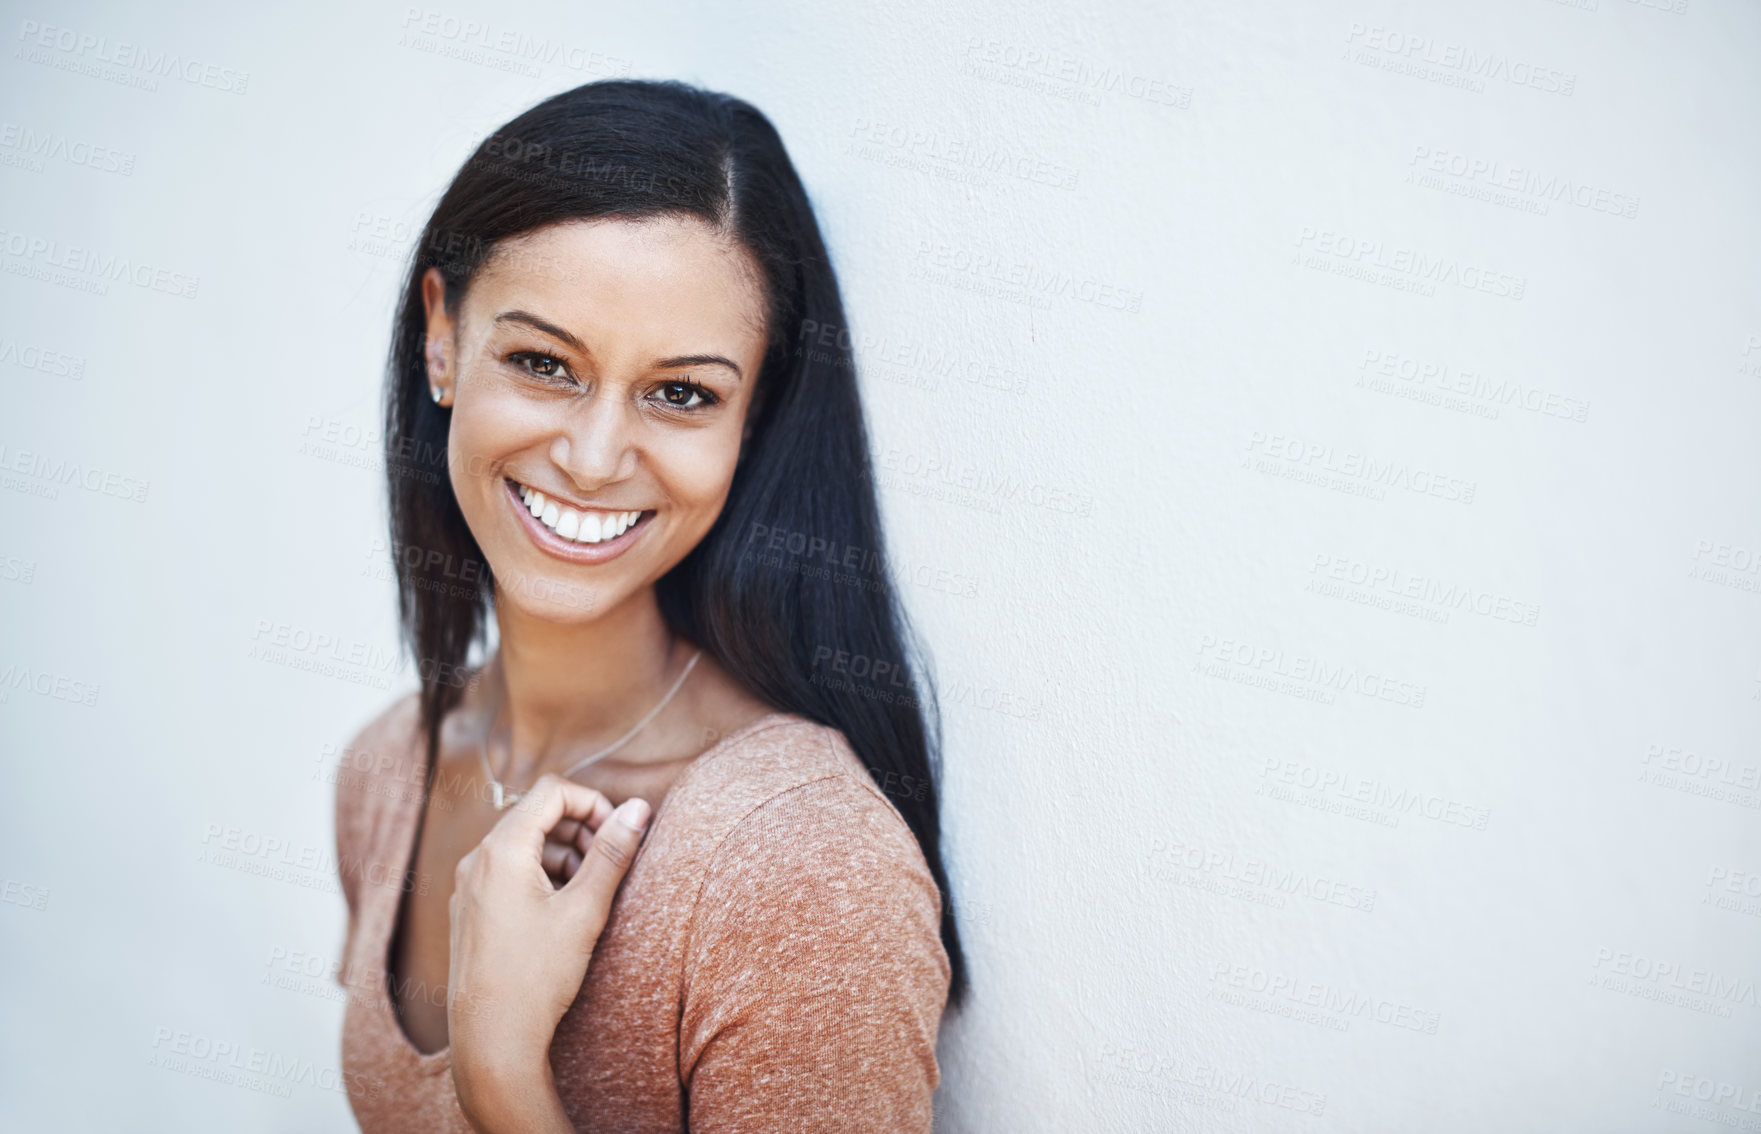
680	395
538	365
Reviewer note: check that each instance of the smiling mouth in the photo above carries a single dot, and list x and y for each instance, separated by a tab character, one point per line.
587	526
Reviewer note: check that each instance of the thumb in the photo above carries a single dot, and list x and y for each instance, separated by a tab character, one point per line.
608	859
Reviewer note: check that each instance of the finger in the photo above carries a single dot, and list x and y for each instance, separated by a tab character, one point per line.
607	861
556	856
565	831
601	812
561	862
550	800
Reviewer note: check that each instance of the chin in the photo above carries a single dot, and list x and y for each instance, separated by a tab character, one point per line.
550	597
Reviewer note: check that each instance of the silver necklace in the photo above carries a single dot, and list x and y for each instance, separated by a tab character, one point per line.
503	799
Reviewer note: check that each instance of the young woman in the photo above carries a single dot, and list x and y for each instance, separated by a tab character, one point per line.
622	418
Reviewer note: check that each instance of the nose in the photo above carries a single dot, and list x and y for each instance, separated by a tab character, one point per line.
596	445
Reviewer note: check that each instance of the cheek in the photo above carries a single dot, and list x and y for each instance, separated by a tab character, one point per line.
488	427
697	470
710	463
468	464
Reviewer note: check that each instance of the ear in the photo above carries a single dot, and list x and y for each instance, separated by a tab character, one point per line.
438	349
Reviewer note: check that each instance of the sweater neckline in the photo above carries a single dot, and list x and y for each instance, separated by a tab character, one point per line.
405	829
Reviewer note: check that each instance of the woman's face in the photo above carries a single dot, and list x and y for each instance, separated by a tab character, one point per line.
599	374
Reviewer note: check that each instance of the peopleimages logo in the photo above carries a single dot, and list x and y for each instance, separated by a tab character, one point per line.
41	257
46	684
1340	251
49	474
103	57
511	43
1398	50
34	145
34	357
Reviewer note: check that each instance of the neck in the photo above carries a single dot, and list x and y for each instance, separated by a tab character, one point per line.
567	691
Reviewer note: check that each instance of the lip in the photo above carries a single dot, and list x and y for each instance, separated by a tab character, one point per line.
567	549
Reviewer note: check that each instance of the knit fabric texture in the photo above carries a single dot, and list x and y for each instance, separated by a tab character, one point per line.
773	959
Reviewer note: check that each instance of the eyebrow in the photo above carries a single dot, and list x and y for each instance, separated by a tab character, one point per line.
556	332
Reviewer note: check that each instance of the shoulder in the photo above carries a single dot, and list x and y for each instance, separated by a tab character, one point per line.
828	856
388	742
805	845
383	757
396	719
786	773
814	974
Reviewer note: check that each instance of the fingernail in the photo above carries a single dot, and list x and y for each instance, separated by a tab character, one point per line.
633	813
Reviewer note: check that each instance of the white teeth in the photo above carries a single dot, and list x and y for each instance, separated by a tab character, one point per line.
582	527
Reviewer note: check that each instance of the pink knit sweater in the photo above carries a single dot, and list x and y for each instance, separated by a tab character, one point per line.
772	962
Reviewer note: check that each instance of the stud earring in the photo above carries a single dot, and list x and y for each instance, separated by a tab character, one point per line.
438	393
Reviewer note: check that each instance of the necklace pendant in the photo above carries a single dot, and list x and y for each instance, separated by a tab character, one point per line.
502	800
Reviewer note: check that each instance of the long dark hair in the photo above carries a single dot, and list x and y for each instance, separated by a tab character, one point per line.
789	589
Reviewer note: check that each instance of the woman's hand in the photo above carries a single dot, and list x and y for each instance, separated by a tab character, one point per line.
521	944
565	846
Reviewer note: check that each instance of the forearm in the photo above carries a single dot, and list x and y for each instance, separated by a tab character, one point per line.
522	1103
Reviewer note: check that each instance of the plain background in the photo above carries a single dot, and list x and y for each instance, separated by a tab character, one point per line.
1318	442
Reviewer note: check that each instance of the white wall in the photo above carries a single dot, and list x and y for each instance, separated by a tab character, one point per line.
1527	892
